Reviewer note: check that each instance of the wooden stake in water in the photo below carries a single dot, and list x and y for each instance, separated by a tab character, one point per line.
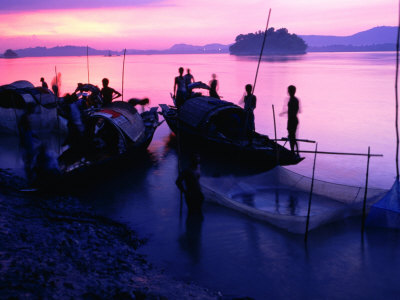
311	192
261	53
277	150
58	117
397	97
123	74
87	62
365	194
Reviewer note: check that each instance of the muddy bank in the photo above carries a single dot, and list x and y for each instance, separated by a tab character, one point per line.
54	247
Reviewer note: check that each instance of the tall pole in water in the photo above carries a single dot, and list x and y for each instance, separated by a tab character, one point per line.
261	52
87	62
311	192
58	118
123	75
397	98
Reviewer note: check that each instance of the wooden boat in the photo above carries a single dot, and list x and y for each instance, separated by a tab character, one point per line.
112	133
219	126
15	97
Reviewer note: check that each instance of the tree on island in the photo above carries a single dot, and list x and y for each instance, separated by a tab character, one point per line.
277	42
10	54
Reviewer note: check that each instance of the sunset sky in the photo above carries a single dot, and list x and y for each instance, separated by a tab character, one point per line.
158	24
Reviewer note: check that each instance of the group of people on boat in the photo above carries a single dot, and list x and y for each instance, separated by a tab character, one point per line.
183	85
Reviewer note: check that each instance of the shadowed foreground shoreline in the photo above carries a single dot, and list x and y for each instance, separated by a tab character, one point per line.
54	247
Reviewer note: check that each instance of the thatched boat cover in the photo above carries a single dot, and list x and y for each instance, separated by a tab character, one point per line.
196	112
124	116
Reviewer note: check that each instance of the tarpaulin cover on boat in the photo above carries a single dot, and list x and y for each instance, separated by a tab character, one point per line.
126	117
18	93
197	112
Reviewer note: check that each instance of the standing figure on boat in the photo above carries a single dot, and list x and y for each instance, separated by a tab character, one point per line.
108	93
214	87
188	183
293	109
188	78
250	102
44	83
180	89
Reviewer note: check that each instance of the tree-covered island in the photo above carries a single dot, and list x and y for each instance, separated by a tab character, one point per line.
277	42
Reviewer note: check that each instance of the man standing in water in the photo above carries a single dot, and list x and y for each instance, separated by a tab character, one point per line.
293	121
108	93
180	88
188	78
188	183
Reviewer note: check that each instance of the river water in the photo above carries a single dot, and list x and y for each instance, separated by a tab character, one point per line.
347	104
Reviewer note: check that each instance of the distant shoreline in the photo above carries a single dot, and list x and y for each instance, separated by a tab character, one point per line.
239	55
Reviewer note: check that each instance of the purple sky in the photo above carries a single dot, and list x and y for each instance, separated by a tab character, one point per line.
158	24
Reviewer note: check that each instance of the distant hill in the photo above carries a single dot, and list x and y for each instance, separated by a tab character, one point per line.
382	38
278	42
374	36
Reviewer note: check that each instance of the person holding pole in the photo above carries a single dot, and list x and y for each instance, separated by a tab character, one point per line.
293	121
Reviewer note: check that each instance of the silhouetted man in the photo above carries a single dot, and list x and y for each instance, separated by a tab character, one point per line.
214	87
188	78
108	93
179	88
44	83
250	102
293	121
188	183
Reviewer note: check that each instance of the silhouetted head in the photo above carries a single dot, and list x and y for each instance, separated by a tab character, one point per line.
41	79
180	71
248	88
291	90
214	76
188	70
105	82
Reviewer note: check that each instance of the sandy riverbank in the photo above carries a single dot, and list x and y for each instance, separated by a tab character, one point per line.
54	247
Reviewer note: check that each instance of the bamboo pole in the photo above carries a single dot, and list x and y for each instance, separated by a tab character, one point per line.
87	62
311	192
123	75
58	118
277	150
397	97
365	194
342	153
261	53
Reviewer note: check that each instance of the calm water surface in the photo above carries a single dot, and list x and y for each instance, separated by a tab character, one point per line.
347	104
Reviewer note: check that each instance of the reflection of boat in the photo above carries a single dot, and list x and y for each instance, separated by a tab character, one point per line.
220	126
14	99
111	132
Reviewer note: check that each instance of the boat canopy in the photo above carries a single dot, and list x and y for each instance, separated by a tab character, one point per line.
22	92
124	116
211	114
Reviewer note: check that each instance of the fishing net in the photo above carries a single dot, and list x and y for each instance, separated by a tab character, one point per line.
386	212
280	197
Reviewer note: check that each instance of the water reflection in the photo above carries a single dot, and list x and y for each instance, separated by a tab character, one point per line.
190	240
271	58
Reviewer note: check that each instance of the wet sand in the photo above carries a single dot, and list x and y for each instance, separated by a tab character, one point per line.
54	247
